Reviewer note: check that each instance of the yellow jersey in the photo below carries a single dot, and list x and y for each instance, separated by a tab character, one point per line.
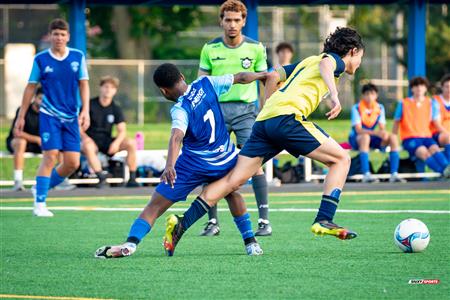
303	88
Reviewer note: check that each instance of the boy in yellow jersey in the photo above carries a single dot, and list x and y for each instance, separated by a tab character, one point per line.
282	124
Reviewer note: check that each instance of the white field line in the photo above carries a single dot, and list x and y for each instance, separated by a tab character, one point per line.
125	209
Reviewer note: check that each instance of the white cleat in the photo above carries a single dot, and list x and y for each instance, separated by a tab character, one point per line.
118	251
41	210
253	249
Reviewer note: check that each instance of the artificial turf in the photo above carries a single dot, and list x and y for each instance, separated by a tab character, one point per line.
54	256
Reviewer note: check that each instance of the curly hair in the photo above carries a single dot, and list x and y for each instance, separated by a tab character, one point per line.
342	40
166	75
233	5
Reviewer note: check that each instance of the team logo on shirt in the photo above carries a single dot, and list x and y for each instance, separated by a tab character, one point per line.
110	119
246	62
75	65
46	136
48	69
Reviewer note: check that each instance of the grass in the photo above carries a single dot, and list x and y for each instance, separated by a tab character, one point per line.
156	136
54	257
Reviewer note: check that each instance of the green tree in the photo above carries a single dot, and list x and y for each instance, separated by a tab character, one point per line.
379	22
139	31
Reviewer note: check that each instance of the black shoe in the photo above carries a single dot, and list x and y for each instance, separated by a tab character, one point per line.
101	179
211	229
132	183
264	228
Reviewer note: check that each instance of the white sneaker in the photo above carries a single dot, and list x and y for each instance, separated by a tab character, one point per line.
123	250
41	210
367	178
253	249
18	186
65	186
395	178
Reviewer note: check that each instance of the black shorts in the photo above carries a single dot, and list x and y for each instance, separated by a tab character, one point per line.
103	144
31	147
292	133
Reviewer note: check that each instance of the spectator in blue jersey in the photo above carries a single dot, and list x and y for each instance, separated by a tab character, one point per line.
369	132
63	75
207	155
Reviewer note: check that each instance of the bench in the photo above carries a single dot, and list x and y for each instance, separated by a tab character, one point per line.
154	180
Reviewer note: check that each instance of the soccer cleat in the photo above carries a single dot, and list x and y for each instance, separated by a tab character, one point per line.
18	186
118	251
65	186
253	249
264	228
174	232
211	229
395	178
329	228
446	172
367	178
41	210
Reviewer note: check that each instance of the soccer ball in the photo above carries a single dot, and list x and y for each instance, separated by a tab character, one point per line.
412	235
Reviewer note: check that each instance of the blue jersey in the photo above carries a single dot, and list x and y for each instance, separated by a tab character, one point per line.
206	144
59	77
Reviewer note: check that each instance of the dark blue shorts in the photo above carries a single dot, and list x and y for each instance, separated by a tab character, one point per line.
375	142
58	134
436	137
292	133
412	144
188	178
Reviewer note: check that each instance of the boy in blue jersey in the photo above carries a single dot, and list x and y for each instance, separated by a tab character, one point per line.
63	75
208	154
369	132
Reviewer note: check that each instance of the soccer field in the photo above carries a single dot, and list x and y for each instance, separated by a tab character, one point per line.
54	257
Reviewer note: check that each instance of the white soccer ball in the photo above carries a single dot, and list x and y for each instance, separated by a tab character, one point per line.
412	235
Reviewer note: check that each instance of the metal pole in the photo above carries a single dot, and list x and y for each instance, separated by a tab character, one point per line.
416	38
251	27
77	20
141	96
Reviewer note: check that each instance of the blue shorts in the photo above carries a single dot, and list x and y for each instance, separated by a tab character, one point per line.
436	137
292	133
58	134
375	142
188	178
412	144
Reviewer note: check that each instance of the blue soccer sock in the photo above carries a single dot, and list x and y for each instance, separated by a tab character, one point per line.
420	166
197	210
441	160
138	231
328	206
364	160
42	185
394	160
244	225
447	151
433	164
55	179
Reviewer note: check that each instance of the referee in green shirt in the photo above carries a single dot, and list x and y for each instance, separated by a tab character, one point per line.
231	54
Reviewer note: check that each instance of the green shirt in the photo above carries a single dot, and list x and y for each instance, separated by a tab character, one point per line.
219	59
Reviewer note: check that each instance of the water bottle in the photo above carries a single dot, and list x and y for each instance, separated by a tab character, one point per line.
139	140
